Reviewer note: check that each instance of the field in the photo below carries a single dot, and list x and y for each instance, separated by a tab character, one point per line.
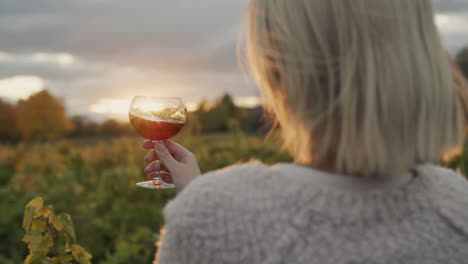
93	180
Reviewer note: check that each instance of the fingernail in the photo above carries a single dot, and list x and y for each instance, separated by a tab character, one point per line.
147	157
160	146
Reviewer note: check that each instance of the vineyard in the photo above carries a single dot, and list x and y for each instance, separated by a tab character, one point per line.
93	180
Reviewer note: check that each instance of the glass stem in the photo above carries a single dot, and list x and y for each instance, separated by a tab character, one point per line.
157	179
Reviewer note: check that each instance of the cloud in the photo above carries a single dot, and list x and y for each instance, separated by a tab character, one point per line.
450	6
61	58
454	30
178	35
58	58
4	56
20	87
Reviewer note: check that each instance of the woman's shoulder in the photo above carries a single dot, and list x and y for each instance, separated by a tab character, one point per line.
448	180
220	190
229	179
449	194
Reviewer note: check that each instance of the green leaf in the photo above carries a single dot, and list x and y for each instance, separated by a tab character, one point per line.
80	254
48	261
27	219
38	225
68	226
45	244
34	238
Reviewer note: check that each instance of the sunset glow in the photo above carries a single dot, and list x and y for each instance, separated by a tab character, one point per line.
247	101
111	106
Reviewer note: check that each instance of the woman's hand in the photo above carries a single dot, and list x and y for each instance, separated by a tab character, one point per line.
178	165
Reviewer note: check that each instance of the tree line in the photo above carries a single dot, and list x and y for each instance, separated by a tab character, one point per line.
43	117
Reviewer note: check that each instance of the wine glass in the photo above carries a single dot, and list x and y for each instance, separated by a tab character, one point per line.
157	119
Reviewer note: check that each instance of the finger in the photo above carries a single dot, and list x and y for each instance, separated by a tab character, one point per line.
155	167
165	156
148	144
151	156
166	177
178	151
150	168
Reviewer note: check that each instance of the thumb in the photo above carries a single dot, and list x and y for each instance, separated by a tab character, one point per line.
165	156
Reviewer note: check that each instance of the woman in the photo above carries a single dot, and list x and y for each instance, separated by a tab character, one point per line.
367	99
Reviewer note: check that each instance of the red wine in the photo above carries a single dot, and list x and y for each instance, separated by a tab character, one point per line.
156	129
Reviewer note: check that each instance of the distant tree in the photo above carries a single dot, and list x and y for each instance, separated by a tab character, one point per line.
113	127
42	116
462	59
202	107
84	127
227	103
79	125
231	112
8	121
218	117
193	125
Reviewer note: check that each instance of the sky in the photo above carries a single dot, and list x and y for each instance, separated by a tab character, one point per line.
97	54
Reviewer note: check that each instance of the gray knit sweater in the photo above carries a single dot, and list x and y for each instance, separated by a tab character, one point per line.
292	214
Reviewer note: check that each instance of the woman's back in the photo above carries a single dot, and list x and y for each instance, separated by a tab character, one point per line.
360	88
251	214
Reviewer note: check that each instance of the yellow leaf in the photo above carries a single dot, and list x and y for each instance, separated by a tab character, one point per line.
57	223
28	259
44	211
65	258
51	216
36	203
80	254
27	218
38	225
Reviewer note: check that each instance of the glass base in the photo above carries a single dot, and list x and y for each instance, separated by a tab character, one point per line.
151	185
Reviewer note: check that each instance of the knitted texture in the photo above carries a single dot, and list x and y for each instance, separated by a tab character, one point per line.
258	214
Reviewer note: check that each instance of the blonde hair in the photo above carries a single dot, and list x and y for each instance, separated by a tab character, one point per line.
363	85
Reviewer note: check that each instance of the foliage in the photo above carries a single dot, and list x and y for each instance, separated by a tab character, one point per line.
42	116
50	237
94	181
462	59
217	118
8	121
